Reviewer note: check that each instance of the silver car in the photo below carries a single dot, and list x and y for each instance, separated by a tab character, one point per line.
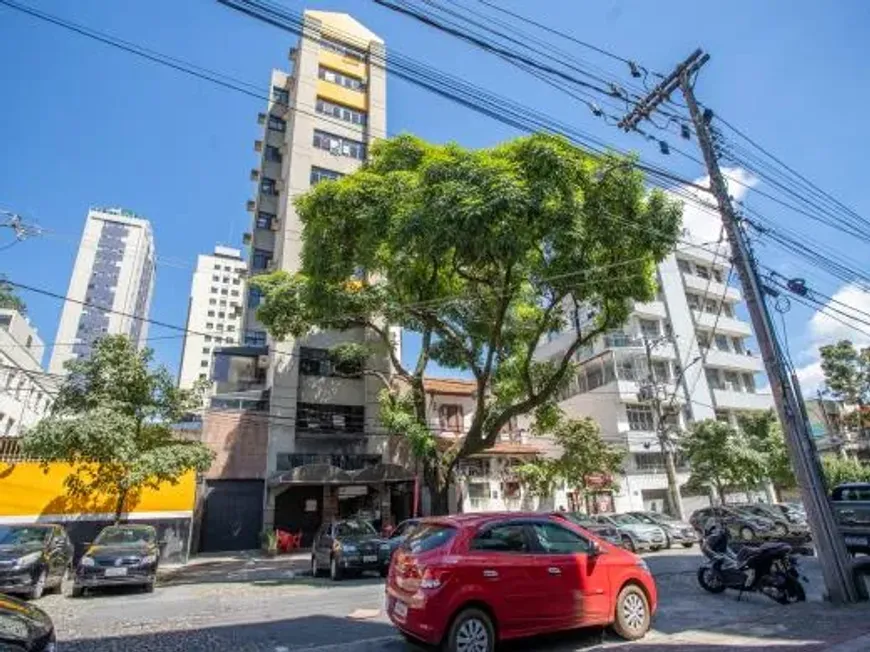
676	531
636	535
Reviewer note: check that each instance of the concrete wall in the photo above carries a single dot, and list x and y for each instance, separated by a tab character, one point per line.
240	443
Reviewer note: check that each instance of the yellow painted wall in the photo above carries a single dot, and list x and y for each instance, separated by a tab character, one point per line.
25	490
347	65
341	95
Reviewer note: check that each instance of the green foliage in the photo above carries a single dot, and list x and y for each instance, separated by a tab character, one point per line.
847	372
482	252
763	435
839	470
585	458
112	422
9	299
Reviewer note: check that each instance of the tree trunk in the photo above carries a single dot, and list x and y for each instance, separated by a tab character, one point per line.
119	505
721	490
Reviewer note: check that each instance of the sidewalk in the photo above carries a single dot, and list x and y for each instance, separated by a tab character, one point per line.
245	566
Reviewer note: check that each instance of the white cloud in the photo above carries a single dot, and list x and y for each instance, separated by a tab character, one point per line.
702	225
846	305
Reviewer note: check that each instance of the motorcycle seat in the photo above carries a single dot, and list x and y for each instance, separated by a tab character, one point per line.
745	554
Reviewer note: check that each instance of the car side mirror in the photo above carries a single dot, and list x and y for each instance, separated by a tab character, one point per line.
595	549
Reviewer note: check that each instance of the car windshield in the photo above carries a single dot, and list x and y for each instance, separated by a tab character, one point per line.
22	535
354	529
125	536
579	519
624	519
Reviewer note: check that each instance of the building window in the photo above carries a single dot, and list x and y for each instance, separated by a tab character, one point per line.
231	328
206	350
703	340
211	313
640	418
450	417
339	145
330	418
255	296
222	315
650	328
277	124
318	362
280	95
255	338
214	290
702	271
212	302
335	77
738	345
662	371
713	379
749	383
204	363
322	174
209	325
215	278
260	259
234	293
341	112
727	310
732	381
342	49
694	301
684	265
229	340
717	275
208	338
264	220
224	291
722	416
272	154
268	187
722	343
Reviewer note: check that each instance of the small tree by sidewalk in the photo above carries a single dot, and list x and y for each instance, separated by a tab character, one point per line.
112	423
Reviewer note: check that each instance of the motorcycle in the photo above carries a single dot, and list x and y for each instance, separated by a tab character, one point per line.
769	569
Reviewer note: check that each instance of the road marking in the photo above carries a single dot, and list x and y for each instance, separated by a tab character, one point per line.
350	647
364	614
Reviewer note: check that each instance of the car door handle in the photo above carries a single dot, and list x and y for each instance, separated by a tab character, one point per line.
490	574
552	570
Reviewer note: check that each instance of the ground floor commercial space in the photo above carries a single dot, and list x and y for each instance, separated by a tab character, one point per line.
302	499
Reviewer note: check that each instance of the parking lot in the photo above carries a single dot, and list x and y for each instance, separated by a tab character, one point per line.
252	605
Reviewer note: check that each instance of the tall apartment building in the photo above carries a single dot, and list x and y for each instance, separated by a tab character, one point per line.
26	392
114	273
700	357
215	311
326	453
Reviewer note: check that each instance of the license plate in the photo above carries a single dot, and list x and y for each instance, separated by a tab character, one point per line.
370	559
400	609
116	572
856	541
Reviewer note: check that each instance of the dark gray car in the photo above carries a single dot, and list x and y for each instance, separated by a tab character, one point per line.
391	544
346	548
676	531
33	558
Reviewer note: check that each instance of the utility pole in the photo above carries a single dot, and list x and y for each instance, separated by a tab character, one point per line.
652	393
836	567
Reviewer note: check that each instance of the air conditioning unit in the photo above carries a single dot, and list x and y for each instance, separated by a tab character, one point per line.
292	54
279	185
255	175
247	238
251	205
258	145
275	224
263	361
261	118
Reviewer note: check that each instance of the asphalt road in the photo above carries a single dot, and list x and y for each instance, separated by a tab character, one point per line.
279	612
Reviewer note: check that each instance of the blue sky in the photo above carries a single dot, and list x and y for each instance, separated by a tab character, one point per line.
82	124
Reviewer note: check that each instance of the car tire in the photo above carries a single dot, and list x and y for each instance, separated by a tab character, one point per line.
334	570
747	533
385	571
471	630
315	569
668	543
149	588
76	591
628	543
688	544
710	580
632	618
38	588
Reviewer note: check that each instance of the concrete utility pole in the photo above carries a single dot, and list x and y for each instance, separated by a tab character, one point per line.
835	563
651	392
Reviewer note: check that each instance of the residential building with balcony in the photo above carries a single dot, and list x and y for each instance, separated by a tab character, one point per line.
325	453
111	286
836	427
701	366
26	391
215	312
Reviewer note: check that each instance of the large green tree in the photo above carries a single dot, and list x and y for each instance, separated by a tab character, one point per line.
763	435
482	253
585	461
112	422
839	470
847	376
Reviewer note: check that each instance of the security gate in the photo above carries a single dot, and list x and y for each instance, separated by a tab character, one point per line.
232	515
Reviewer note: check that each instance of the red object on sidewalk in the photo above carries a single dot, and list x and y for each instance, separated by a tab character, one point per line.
285	540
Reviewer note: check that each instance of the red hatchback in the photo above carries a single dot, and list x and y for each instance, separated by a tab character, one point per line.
468	581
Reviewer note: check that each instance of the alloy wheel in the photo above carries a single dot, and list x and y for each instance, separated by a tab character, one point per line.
634	611
472	637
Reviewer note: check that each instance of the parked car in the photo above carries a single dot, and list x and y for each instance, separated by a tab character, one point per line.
741	526
635	534
33	558
121	555
391	543
676	531
346	547
782	526
24	627
851	503
468	581
601	530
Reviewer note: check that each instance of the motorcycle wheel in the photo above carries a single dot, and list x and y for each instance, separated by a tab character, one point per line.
794	591
710	580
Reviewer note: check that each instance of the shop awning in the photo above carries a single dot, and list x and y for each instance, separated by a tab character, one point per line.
328	474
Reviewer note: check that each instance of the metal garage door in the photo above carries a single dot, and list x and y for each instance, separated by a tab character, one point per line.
232	515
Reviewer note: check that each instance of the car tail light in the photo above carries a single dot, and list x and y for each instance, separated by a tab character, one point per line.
433	578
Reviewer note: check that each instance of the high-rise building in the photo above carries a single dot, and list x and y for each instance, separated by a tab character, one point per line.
323	426
214	313
701	363
111	285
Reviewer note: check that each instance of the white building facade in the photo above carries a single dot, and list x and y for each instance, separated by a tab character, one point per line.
26	392
215	313
701	365
111	286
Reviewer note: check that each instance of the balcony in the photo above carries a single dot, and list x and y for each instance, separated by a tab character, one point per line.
711	288
731	360
651	310
728	325
709	254
731	400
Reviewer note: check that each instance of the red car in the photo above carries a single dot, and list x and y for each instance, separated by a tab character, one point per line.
468	581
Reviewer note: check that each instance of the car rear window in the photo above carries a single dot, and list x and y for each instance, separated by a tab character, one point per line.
428	536
852	493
